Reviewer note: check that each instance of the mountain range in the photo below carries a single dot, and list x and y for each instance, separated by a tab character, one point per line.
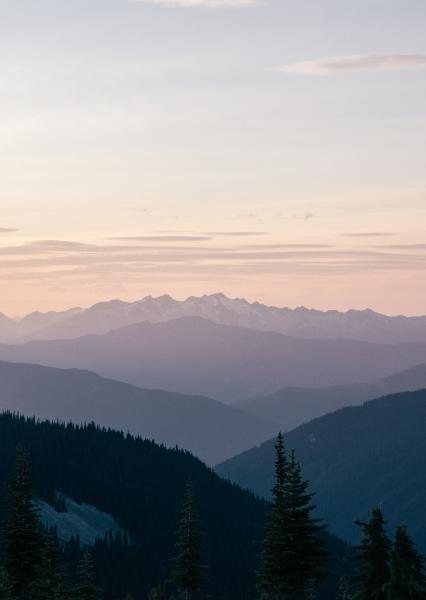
365	325
195	356
356	458
293	406
209	429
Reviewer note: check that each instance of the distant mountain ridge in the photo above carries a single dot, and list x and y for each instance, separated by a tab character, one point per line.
198	357
291	407
356	458
103	317
209	429
30	326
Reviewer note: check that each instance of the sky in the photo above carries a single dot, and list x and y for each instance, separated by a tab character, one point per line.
267	149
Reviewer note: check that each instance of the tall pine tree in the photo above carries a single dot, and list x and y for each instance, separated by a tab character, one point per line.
407	575
189	572
22	537
292	551
307	554
373	557
273	571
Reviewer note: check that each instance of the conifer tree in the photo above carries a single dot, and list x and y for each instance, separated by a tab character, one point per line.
273	571
307	553
373	557
50	582
5	585
292	551
407	576
86	588
189	573
22	536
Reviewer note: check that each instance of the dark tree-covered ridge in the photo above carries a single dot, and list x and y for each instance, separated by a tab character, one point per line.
141	484
355	459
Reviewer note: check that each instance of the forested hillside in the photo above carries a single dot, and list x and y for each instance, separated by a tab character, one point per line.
355	459
142	484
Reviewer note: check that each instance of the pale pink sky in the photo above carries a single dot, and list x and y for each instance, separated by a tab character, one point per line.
150	147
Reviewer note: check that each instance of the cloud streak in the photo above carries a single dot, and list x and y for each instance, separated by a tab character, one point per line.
98	269
7	230
357	62
236	233
369	234
403	247
162	238
46	256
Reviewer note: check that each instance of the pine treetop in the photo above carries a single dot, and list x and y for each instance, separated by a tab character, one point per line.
373	556
189	572
407	576
292	550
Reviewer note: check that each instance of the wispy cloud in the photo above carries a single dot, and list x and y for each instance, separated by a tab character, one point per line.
59	245
7	230
356	62
66	260
201	3
369	234
403	247
285	246
162	238
236	233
